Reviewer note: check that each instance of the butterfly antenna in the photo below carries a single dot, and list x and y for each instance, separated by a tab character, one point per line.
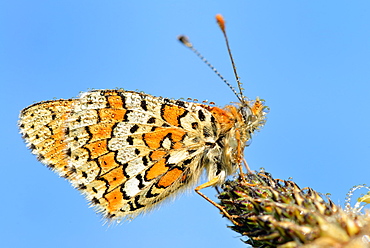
221	23
184	40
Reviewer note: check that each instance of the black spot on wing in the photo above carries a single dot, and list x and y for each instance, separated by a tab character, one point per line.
95	201
123	97
151	120
130	140
134	128
145	160
150	193
140	179
84	174
192	151
194	125
186	112
81	186
125	117
201	115
144	105
180	103
187	161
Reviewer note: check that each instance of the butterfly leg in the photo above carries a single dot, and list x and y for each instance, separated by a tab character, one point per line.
210	183
247	166
240	157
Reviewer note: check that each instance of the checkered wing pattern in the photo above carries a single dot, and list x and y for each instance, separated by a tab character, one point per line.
125	151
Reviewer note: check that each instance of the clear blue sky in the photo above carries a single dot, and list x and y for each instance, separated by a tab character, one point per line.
310	61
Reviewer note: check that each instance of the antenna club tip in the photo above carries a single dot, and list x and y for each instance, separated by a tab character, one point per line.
184	40
221	22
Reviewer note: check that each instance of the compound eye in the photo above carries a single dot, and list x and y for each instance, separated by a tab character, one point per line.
246	112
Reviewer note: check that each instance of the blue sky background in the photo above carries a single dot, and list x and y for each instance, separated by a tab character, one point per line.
310	61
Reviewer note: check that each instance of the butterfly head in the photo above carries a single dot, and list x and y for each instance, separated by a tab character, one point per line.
254	114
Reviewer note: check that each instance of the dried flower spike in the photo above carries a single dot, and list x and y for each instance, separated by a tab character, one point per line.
277	213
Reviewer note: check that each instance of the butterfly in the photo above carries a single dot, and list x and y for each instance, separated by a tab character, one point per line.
127	151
